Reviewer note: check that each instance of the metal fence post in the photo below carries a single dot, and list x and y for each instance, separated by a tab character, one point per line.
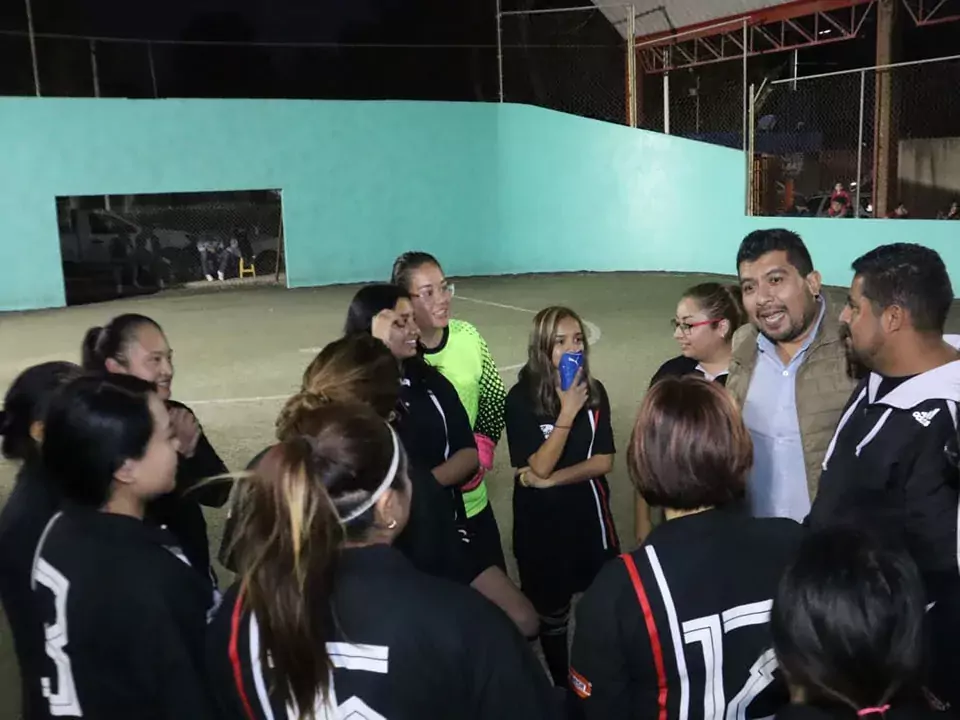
33	49
153	69
93	68
500	50
632	66
666	90
856	207
751	111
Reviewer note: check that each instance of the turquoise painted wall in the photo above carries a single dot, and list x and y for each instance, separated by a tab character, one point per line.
361	182
491	189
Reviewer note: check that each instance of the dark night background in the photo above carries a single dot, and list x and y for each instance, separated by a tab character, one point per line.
573	62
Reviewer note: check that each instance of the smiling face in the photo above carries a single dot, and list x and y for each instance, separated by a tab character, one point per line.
404	333
780	302
431	297
861	327
700	337
149	357
154	473
567	339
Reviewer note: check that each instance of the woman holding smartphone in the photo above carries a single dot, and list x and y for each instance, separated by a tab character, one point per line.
561	442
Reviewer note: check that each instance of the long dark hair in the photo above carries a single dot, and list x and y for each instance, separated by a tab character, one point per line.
111	341
368	302
540	374
847	622
354	369
290	529
26	403
94	425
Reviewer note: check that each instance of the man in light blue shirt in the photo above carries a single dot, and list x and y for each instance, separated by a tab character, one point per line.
789	372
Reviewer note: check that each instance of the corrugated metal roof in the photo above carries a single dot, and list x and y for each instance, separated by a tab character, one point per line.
673	15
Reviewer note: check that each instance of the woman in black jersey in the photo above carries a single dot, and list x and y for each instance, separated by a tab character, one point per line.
327	620
847	628
122	613
26	512
435	431
561	442
707	317
360	369
680	626
136	345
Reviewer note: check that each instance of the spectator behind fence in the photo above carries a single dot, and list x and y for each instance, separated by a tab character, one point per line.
788	372
679	627
847	630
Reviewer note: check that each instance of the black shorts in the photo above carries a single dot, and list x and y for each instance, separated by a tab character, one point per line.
481	538
561	538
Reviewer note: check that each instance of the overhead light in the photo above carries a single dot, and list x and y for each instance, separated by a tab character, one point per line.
825	32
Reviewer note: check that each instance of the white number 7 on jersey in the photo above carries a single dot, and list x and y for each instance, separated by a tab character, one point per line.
64	702
709	632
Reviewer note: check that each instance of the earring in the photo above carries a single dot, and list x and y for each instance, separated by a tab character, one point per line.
391	525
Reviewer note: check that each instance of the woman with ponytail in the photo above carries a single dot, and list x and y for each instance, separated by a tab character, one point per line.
707	316
847	625
136	345
327	620
30	506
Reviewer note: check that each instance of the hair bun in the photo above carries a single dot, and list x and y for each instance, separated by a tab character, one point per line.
296	407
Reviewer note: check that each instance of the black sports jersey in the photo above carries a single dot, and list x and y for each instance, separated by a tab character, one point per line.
29	508
433	424
179	511
683	365
679	628
406	647
561	535
124	618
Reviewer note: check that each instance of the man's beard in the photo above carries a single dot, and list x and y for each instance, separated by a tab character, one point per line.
856	367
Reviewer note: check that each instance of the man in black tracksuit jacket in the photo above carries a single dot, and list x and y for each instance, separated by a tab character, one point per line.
892	466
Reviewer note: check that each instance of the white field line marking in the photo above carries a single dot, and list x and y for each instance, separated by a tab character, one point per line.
593	336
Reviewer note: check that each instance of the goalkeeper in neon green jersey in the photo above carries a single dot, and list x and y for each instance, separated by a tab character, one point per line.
460	353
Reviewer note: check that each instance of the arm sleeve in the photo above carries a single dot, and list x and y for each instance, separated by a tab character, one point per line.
524	436
459	432
174	664
601	676
931	495
490	412
603	443
204	464
508	680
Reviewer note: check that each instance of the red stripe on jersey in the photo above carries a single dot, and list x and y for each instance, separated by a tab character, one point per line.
652	631
235	656
607	518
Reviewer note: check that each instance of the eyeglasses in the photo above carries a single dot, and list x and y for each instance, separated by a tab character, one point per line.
685	328
429	293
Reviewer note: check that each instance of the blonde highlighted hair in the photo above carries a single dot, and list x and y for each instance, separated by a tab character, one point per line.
290	530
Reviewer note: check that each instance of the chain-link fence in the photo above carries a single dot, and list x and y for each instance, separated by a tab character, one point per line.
571	60
125	244
861	143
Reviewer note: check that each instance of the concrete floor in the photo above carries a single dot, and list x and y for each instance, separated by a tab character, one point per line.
240	352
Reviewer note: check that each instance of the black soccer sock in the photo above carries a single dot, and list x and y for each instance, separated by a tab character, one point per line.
553	641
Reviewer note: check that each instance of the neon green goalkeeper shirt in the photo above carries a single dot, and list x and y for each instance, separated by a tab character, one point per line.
465	360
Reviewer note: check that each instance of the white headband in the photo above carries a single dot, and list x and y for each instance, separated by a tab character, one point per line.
387	481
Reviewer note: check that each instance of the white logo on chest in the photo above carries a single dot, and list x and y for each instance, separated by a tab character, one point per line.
546	430
924	418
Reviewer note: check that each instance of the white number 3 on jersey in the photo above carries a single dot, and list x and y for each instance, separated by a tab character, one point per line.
64	702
